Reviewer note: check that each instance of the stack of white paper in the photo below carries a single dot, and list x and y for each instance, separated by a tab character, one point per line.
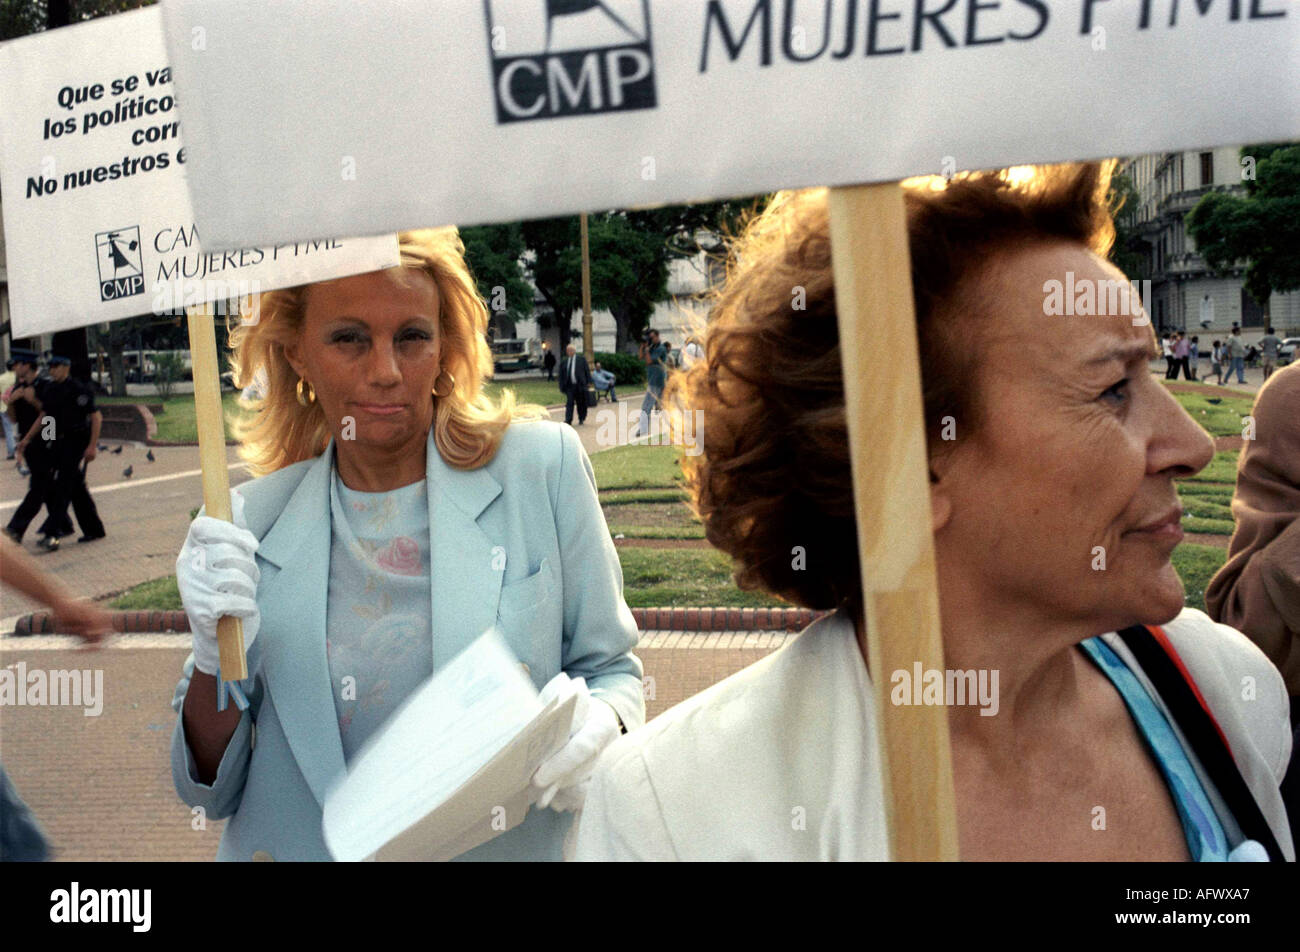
451	768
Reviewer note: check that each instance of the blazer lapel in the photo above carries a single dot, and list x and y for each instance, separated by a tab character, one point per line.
466	569
293	604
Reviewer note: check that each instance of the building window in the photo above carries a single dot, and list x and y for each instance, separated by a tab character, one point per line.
1207	169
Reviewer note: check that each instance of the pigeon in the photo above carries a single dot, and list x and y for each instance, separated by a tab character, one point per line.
149	456
128	471
1214	399
102	447
116	449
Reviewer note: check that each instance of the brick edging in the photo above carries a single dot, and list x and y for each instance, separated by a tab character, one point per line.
647	619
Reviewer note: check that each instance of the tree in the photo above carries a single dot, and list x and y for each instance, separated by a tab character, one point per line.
1261	227
555	265
629	272
1130	252
494	254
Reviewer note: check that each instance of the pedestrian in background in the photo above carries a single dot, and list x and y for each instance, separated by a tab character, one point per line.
1167	351
1216	361
1236	356
7	380
549	363
77	422
653	354
1269	347
1196	358
574	378
34	451
691	352
1182	350
604	380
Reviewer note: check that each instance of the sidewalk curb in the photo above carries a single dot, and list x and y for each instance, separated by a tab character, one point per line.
647	619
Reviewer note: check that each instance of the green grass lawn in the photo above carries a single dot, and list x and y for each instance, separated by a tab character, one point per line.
159	595
1222	418
1222	469
176	424
638	467
688	578
530	390
654	578
1196	565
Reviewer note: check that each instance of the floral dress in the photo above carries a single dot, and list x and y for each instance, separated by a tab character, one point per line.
379	639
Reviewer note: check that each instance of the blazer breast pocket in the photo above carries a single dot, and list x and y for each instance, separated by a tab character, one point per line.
528	594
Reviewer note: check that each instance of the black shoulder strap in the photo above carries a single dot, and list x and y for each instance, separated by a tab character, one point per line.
1202	734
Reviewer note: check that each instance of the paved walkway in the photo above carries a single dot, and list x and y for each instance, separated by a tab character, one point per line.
102	786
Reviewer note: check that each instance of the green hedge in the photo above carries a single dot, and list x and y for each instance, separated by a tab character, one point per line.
626	368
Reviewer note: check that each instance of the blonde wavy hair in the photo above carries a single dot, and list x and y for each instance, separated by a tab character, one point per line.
468	424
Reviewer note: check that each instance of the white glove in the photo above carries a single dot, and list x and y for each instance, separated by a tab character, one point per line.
217	575
1249	851
565	776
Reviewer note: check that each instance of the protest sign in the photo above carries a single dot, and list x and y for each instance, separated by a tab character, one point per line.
97	216
98	223
392	114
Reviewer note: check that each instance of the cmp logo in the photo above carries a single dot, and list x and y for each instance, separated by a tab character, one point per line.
570	57
121	270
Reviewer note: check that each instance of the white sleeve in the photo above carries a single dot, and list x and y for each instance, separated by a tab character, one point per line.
621	820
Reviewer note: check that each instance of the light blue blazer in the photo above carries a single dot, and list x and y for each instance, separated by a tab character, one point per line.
520	543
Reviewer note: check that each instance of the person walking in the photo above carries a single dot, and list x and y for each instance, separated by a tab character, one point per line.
1182	349
1216	361
653	354
1236	355
574	378
35	452
1269	347
1167	351
77	422
549	362
1195	358
7	380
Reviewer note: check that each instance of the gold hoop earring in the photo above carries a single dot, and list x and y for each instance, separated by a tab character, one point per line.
450	386
310	397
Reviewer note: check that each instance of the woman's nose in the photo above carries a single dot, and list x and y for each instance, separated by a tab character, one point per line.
383	366
1182	446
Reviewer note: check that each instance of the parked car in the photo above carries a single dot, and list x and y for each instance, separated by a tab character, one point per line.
1286	353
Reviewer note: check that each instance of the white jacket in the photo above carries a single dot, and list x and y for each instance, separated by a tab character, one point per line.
781	761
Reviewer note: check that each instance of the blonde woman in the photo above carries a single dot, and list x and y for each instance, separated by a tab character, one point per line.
398	514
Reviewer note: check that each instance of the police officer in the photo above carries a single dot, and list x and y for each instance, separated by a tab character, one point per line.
26	402
71	403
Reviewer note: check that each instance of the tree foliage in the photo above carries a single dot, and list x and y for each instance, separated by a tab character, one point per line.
1261	227
494	254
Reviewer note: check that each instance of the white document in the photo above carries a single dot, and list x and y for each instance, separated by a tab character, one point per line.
97	217
538	108
452	767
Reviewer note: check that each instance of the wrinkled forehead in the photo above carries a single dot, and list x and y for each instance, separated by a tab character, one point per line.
1059	302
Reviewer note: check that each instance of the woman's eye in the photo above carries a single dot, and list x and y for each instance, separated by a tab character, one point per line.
345	337
1118	391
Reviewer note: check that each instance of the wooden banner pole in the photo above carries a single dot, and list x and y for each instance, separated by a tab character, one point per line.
212	459
873	294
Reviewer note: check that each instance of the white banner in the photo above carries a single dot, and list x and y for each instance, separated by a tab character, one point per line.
369	117
98	221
